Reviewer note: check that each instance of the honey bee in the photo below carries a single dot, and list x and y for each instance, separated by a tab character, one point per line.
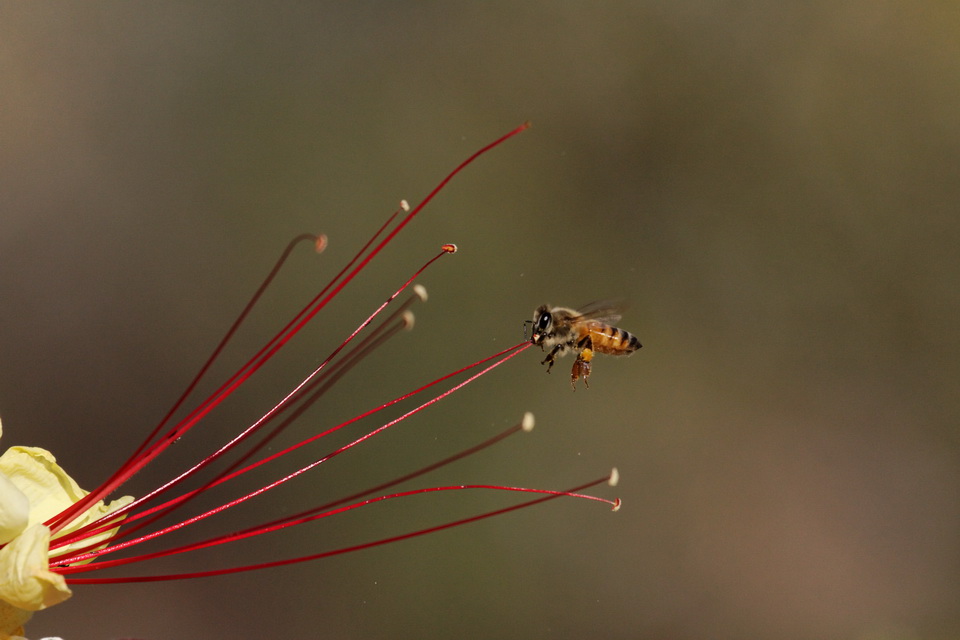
586	331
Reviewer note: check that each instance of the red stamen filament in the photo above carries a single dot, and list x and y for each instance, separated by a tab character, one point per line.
547	495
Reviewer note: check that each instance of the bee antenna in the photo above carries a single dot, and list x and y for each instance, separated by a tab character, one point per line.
525	323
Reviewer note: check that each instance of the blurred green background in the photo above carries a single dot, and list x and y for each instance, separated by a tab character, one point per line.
772	187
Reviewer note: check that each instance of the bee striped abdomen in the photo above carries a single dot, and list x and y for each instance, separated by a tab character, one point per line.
612	340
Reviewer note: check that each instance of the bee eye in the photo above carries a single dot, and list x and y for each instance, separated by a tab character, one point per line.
544	321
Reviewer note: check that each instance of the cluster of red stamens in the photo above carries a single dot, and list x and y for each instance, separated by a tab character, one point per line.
135	519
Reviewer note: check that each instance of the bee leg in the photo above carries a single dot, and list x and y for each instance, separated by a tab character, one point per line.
551	357
581	367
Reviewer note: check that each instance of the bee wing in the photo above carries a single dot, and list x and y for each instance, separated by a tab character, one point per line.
601	311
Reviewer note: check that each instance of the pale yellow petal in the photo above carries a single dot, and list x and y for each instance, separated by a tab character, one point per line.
12	620
14	510
36	473
49	489
26	581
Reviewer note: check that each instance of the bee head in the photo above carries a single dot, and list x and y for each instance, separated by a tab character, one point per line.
541	323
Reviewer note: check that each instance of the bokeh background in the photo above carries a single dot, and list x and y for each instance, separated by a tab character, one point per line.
771	187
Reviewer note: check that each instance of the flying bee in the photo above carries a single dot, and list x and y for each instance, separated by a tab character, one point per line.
585	331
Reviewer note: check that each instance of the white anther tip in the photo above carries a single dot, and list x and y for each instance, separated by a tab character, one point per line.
527	423
614	477
420	291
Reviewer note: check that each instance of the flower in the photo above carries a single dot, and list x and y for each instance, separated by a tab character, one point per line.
52	532
34	488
